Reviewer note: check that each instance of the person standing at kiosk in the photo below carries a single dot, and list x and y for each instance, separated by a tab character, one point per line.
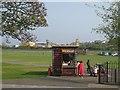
77	70
81	68
89	68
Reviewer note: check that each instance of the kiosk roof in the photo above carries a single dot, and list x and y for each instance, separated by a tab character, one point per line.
65	46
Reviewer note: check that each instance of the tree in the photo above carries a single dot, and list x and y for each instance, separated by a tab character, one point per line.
18	18
111	22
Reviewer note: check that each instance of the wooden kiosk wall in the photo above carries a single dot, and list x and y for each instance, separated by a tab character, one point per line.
57	60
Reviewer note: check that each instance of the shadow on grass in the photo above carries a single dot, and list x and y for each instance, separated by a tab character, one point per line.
42	73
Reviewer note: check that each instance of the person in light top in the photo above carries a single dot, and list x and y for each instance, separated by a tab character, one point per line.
77	67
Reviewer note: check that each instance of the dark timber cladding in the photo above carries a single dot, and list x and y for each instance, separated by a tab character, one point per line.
64	60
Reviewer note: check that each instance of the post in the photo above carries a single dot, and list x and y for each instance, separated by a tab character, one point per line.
99	76
115	75
107	73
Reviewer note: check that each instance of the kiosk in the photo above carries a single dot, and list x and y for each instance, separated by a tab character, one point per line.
64	60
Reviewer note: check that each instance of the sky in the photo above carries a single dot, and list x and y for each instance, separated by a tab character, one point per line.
68	21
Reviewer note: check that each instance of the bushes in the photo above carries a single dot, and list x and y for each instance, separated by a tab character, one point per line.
97	46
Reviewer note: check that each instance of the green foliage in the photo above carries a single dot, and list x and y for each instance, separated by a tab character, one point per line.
111	22
95	46
18	18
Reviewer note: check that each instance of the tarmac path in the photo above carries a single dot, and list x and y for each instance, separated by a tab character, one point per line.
56	82
27	64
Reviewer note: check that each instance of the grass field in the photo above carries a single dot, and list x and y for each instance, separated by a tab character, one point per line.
28	56
95	58
13	71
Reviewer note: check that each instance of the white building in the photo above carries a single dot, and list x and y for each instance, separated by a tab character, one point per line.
41	44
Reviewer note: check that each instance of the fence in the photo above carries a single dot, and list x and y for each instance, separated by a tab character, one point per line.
109	73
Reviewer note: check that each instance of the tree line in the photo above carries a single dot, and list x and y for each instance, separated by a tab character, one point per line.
98	46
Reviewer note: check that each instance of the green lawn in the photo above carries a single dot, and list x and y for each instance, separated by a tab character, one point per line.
95	58
12	71
28	56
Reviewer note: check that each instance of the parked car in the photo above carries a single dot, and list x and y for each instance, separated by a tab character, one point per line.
115	54
103	53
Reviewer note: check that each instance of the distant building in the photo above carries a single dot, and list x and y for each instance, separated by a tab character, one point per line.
31	44
100	41
104	41
48	44
16	46
40	44
76	43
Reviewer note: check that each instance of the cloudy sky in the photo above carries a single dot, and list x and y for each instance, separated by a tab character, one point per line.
68	21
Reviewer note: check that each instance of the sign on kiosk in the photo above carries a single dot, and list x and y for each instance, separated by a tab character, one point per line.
67	51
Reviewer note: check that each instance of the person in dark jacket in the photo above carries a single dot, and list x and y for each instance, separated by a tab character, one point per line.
89	68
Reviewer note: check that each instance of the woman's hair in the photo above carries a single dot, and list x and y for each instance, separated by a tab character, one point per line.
80	61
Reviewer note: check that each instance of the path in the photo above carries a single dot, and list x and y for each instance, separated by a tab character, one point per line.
56	82
27	64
